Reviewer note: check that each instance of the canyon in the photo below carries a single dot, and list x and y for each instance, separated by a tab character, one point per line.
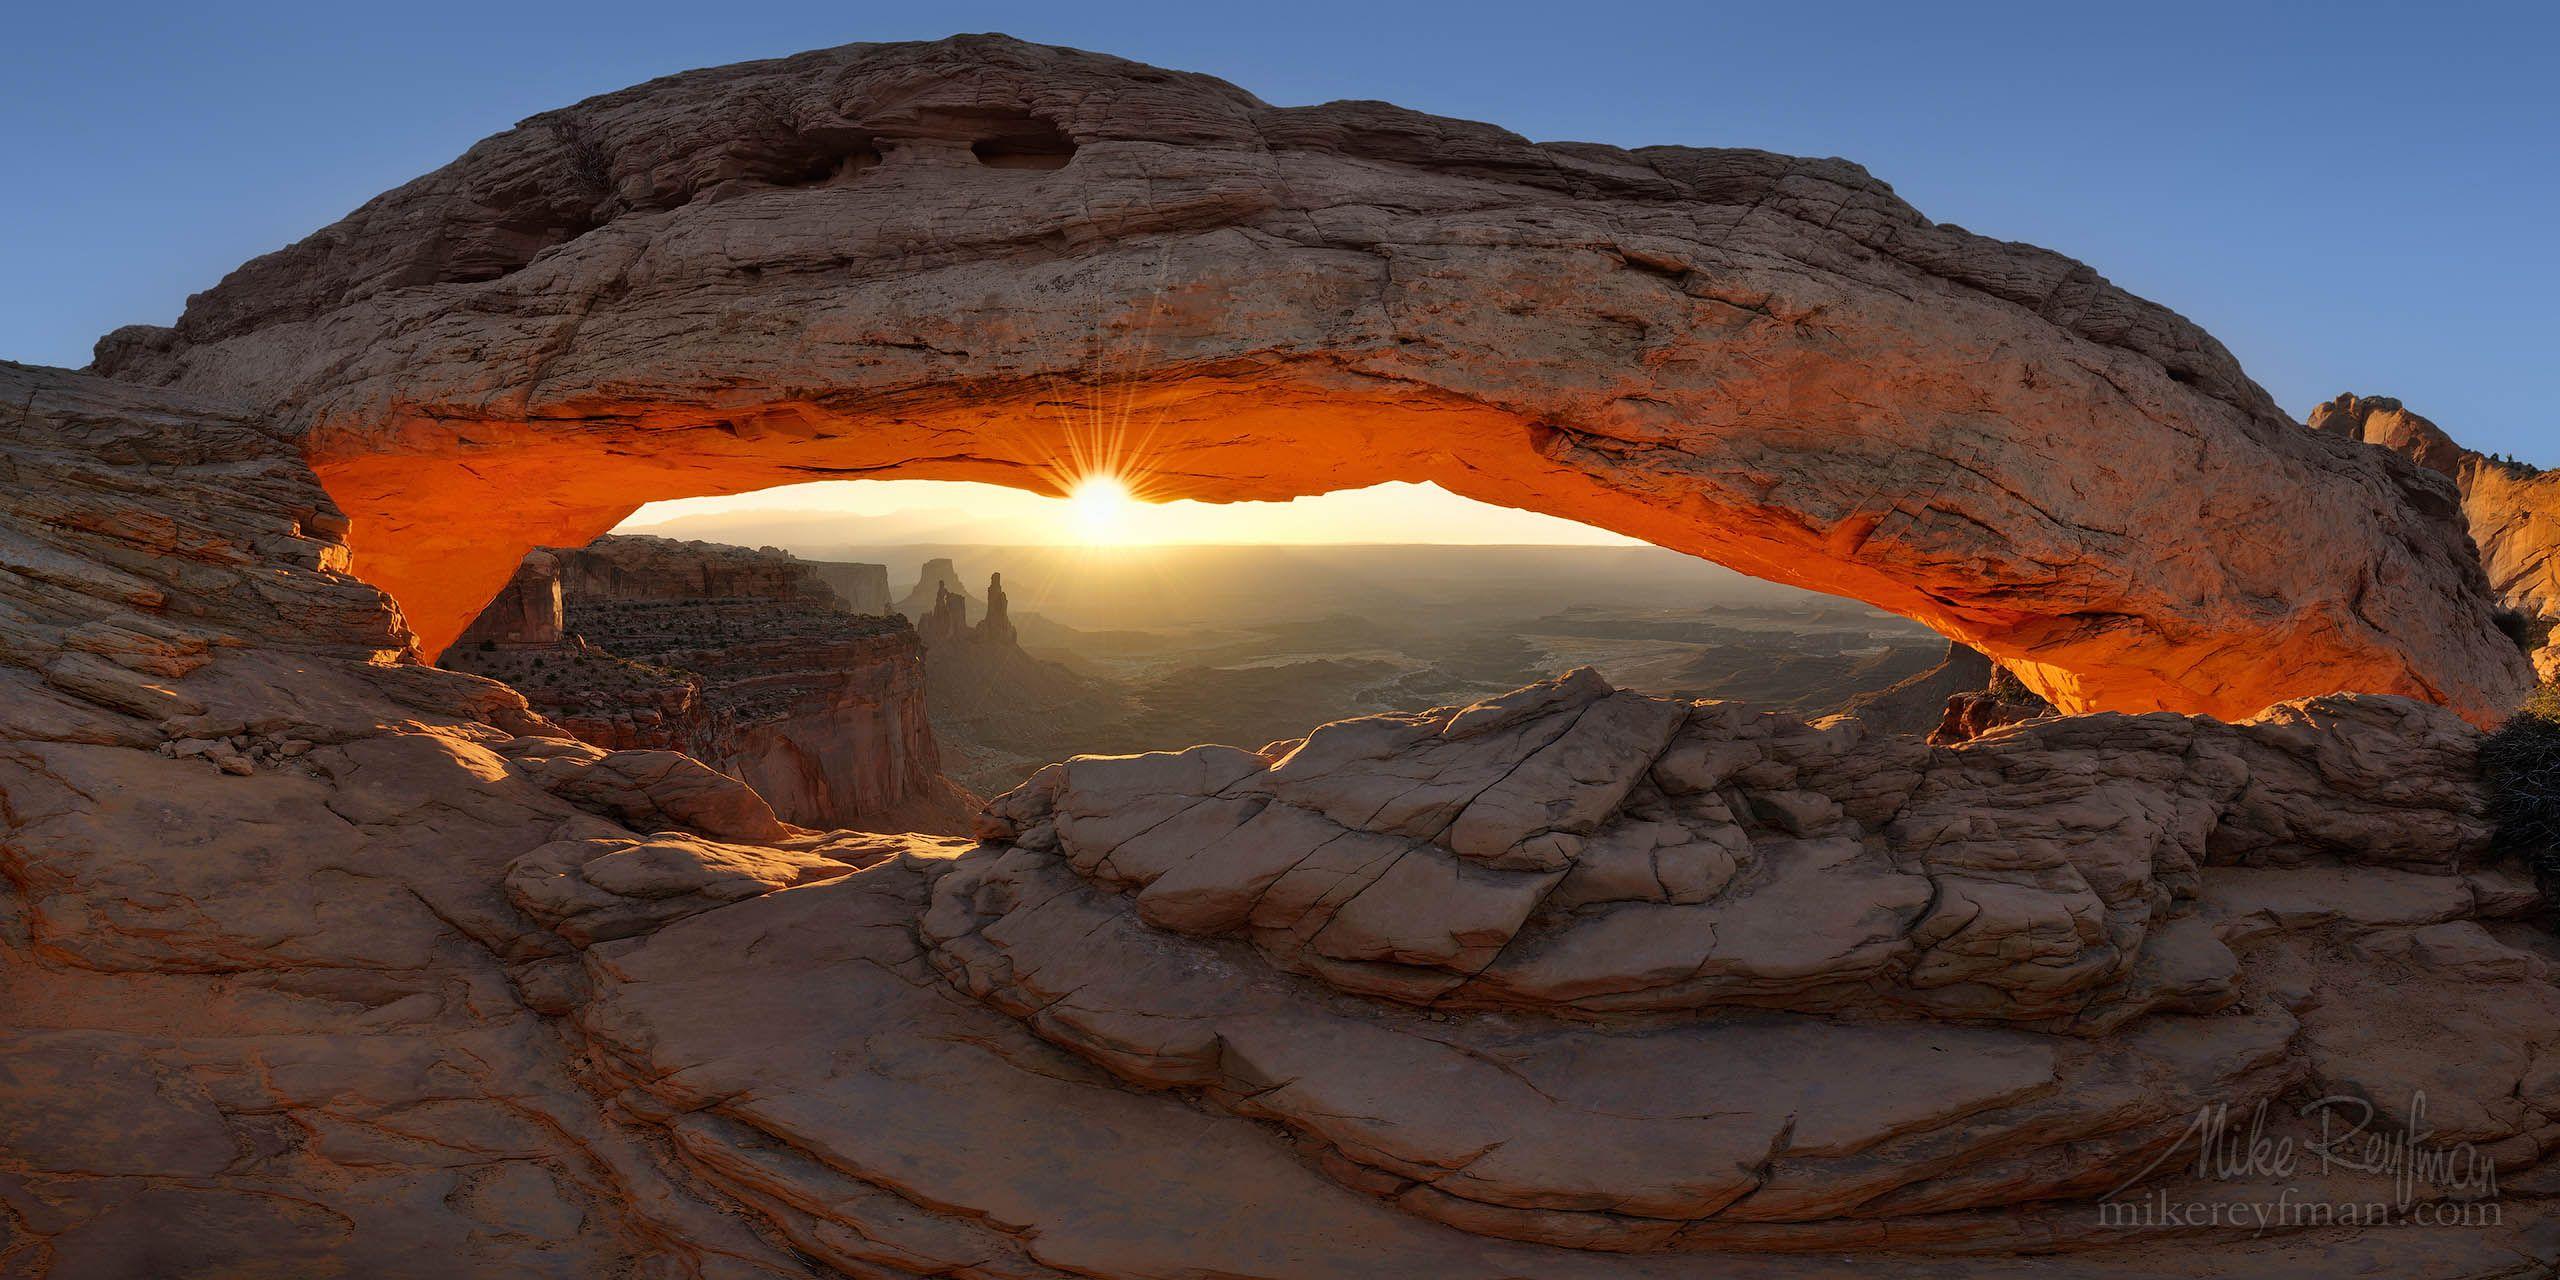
318	957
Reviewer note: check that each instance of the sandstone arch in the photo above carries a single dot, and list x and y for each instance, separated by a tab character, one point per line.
981	259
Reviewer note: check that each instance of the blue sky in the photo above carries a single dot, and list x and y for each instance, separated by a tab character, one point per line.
2353	196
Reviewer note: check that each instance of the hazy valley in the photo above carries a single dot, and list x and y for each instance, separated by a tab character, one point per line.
1159	648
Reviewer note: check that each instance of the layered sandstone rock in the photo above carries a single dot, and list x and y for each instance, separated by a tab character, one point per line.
2513	510
982	259
1570	847
1559	885
276	1020
430	989
744	658
642	567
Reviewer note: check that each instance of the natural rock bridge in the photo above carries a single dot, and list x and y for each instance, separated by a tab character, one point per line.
979	259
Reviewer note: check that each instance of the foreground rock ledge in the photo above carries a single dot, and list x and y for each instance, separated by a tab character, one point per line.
989	260
317	962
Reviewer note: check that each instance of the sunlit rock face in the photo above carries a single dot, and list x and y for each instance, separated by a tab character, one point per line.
981	259
2513	510
314	961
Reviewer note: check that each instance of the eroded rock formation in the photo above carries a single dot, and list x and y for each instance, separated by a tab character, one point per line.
937	579
982	259
1918	704
428	988
2513	510
946	623
997	626
746	659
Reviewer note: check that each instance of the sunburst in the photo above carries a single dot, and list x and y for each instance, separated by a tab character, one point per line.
1105	510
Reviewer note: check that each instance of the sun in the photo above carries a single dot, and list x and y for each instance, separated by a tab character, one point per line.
1105	510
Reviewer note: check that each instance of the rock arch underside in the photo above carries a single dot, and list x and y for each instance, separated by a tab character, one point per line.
317	959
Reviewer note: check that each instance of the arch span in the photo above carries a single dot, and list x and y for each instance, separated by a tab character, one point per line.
811	268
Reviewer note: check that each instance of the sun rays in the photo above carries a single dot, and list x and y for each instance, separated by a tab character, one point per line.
1104	511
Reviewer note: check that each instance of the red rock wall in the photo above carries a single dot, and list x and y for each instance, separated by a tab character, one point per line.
854	748
2513	510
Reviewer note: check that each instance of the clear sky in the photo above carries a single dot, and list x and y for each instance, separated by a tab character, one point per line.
2353	196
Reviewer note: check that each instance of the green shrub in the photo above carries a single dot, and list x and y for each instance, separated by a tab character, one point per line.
2520	767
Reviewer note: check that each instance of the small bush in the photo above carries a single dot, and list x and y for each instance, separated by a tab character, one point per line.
2542	704
2520	766
2007	687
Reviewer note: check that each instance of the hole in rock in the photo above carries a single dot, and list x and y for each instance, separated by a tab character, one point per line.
860	651
1025	142
831	166
1005	155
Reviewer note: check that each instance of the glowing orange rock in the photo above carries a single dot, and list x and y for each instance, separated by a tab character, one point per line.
2513	510
980	259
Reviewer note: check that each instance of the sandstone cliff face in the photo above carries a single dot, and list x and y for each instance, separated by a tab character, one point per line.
526	612
2513	510
640	567
958	259
1918	704
422	987
864	588
746	659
